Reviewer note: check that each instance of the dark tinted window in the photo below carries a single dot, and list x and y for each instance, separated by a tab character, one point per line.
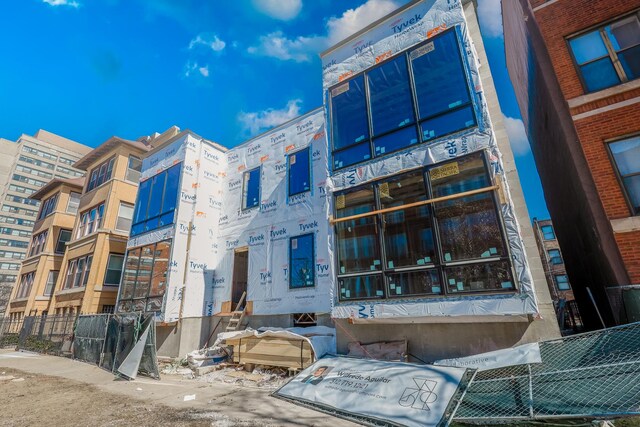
251	189
299	172
302	261
440	81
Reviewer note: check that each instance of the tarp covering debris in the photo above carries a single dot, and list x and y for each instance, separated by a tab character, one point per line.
321	338
375	391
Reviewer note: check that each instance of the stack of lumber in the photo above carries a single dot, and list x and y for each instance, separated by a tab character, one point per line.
286	352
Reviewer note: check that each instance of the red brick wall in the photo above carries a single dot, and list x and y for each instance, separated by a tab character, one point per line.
593	132
565	17
630	250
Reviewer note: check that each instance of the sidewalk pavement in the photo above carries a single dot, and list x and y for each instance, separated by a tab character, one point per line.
240	403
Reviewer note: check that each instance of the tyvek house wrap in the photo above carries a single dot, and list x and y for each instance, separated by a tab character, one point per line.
266	229
397	33
210	222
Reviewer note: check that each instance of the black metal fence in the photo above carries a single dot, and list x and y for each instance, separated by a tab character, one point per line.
42	334
9	332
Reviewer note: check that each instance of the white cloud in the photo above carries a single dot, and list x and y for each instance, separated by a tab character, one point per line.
283	10
356	19
517	136
71	3
211	41
302	48
490	16
255	122
276	45
192	67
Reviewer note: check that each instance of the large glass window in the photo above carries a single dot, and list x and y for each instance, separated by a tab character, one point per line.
101	174
156	203
448	247
114	270
626	156
391	106
302	261
251	189
408	232
358	244
299	172
382	119
350	127
144	278
469	227
608	55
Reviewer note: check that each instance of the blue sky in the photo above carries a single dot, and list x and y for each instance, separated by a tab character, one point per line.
89	69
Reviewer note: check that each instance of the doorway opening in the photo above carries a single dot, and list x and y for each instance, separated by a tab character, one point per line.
240	277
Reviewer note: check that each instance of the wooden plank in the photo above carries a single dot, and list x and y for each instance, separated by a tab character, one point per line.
414	204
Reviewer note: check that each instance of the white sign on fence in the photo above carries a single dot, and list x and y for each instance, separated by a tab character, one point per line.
399	393
520	355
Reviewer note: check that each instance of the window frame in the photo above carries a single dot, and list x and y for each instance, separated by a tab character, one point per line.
619	176
118	217
440	265
106	270
244	182
612	54
417	121
555	279
146	219
544	234
149	295
71	193
309	171
313	261
101	174
62	230
551	257
48	206
95	224
130	171
51	289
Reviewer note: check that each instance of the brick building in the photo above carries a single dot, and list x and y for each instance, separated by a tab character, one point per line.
557	278
575	68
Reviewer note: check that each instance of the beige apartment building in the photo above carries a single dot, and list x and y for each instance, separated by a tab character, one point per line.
26	166
59	201
92	264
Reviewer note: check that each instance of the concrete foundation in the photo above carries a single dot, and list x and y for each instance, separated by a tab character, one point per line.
427	342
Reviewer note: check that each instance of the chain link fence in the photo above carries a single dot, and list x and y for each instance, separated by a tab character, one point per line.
591	375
